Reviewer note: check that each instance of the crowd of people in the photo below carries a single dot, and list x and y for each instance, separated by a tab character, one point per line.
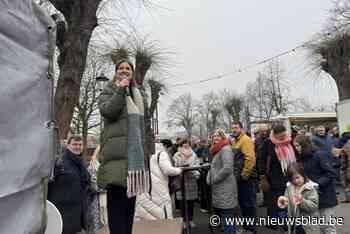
297	173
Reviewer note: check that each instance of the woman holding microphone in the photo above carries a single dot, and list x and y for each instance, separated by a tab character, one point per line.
123	171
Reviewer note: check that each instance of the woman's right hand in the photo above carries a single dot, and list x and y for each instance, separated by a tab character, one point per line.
282	202
123	83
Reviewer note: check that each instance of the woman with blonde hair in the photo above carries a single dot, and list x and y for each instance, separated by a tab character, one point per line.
93	214
222	179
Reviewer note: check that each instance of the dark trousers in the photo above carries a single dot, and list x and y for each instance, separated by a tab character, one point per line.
225	215
177	203
299	229
272	208
120	209
190	208
204	191
265	198
247	201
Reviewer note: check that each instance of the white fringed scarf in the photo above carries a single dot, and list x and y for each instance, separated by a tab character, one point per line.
138	180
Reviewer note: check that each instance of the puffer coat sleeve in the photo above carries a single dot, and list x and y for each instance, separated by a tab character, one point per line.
157	206
166	167
310	201
147	209
112	101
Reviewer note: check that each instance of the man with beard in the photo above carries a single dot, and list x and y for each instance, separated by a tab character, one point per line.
247	176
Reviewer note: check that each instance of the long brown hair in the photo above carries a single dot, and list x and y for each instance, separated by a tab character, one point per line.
133	82
305	143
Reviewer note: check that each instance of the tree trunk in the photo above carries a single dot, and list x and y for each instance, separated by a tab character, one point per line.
85	140
149	136
343	85
73	44
340	73
189	132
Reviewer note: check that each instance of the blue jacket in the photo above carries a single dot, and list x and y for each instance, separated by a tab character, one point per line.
323	143
318	168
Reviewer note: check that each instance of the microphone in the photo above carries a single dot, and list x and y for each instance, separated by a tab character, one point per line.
125	77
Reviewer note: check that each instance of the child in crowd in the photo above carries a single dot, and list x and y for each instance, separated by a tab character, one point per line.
301	200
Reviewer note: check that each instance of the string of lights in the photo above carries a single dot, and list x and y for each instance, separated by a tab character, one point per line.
243	69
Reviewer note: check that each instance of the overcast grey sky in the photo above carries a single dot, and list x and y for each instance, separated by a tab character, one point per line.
213	37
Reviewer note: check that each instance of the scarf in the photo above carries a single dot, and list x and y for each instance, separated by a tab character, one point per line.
215	148
284	151
138	177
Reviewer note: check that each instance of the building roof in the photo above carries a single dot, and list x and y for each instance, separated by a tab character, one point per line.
316	115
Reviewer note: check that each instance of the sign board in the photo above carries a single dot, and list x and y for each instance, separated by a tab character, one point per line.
343	115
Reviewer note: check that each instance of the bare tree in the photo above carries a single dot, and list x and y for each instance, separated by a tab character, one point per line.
157	89
277	93
335	56
181	113
149	55
258	99
209	110
339	19
269	94
332	49
300	104
233	105
73	38
86	116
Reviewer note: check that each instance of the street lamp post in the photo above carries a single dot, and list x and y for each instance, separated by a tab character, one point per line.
100	84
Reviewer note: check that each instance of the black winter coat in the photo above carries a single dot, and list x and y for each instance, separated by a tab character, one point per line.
68	192
260	148
318	168
269	165
343	139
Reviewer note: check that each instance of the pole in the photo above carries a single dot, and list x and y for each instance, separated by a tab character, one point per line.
184	204
157	120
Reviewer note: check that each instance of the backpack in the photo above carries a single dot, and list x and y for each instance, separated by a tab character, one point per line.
238	163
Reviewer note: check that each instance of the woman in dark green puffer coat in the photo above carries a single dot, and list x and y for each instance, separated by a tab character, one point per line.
122	171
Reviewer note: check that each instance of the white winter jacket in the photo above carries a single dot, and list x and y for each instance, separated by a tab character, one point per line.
157	206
